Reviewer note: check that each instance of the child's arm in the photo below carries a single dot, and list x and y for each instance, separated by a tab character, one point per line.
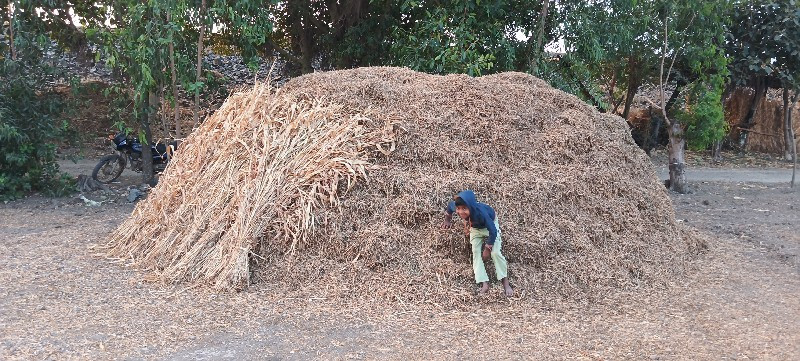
492	233
448	215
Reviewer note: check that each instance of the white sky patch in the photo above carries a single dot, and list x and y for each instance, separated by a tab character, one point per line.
553	47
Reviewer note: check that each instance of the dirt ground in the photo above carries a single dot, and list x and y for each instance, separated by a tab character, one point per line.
730	159
60	300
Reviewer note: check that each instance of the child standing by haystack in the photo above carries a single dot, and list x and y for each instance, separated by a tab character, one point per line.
484	235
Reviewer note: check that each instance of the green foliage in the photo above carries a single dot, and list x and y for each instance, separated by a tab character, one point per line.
31	117
696	45
365	43
137	45
764	40
614	41
452	36
30	122
553	73
703	114
574	76
458	36
246	24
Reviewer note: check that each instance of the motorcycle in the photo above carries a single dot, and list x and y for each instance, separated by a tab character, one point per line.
128	151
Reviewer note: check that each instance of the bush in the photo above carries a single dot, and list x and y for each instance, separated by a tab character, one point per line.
703	114
30	123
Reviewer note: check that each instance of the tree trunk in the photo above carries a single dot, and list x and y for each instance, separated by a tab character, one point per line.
174	80
584	90
677	165
343	16
199	74
302	25
612	103
787	126
161	113
633	87
729	88
534	61
747	123
716	147
147	154
293	52
793	136
716	151
679	84
12	13
677	144
794	167
306	51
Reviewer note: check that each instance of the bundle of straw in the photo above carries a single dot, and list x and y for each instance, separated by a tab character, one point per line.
335	184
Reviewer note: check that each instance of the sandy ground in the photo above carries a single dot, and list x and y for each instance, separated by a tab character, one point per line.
60	300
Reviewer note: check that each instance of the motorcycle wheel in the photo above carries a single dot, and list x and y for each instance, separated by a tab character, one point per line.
109	169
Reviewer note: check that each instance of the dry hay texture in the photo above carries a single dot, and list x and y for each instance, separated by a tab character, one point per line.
335	186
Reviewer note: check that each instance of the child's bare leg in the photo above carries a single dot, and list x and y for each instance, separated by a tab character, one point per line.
507	287
484	288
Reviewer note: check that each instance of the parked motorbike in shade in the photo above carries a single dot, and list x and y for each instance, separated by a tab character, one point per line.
128	151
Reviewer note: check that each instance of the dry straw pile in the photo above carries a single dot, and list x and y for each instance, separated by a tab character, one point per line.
335	185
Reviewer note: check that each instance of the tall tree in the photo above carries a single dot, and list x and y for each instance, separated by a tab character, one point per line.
615	40
12	20
762	44
469	36
789	136
626	43
173	76
539	44
202	20
695	45
319	33
786	34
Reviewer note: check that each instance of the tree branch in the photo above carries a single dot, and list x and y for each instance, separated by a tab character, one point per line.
651	102
306	10
674	56
661	70
664	78
12	14
284	53
534	60
757	132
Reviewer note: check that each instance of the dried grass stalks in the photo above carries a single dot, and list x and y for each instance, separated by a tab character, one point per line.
260	167
276	180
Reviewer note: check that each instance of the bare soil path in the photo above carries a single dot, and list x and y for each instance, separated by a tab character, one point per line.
754	175
60	300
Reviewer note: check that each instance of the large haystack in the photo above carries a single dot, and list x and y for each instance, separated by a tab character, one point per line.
335	184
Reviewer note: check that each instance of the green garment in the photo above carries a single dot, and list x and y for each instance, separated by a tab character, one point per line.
477	237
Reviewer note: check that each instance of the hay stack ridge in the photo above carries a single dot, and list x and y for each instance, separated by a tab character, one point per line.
335	184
